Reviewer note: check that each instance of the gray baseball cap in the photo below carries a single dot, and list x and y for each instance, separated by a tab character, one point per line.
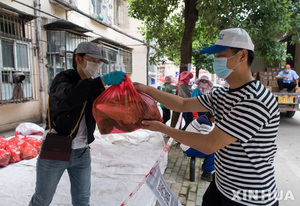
90	49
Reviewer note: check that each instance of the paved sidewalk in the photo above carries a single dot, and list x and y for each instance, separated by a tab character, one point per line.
177	176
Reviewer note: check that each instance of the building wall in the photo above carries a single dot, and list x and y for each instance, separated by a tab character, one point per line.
11	114
258	65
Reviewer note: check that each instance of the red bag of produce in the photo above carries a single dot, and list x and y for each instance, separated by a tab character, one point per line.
3	142
36	142
15	153
28	151
4	158
121	108
14	147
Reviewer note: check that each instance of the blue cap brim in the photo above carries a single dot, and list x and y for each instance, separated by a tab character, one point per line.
214	49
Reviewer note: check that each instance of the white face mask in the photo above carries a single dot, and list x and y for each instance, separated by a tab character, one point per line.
91	69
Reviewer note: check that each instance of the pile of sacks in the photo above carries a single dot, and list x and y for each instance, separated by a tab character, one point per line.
18	148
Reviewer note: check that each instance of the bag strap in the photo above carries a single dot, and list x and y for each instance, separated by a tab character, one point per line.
73	130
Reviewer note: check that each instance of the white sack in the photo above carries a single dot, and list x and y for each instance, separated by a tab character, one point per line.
119	163
28	128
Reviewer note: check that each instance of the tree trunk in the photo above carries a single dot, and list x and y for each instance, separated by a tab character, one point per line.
190	18
197	72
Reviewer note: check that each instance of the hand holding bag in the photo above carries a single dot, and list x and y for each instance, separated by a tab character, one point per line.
56	146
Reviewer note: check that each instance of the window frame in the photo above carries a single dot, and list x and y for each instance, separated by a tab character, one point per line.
20	32
119	64
6	88
70	42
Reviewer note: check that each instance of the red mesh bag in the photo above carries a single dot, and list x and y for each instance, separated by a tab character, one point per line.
3	142
27	151
4	158
121	108
14	145
36	142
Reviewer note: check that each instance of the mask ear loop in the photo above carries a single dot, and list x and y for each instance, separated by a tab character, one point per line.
237	64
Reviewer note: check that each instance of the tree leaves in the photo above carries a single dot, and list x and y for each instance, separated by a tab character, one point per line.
265	20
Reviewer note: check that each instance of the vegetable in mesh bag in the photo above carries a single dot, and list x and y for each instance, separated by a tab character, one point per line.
35	142
27	151
3	142
4	157
121	108
14	145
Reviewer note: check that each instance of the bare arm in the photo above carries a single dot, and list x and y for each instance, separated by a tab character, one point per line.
171	101
206	143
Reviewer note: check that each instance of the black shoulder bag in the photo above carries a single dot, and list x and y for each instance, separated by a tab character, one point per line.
56	146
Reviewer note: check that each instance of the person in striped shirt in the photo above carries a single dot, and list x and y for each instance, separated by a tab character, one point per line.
246	125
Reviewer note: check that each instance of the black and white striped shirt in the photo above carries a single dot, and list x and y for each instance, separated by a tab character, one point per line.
244	169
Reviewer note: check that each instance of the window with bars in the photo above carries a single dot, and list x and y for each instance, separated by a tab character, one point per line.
96	6
17	61
61	46
60	49
118	59
103	10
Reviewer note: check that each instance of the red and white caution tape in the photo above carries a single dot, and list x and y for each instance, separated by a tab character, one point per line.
164	151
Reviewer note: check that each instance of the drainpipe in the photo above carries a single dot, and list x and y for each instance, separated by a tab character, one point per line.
148	63
37	5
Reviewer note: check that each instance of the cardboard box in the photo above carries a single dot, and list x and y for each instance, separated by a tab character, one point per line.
271	69
275	89
263	74
273	83
263	78
269	88
264	82
255	75
274	74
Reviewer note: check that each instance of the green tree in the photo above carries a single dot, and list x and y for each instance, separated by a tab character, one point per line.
173	25
294	32
202	61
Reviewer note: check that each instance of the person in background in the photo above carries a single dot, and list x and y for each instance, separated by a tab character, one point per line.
67	94
287	78
167	87
247	119
185	91
204	86
203	124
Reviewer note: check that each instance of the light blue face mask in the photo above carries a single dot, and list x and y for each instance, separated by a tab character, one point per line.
220	67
